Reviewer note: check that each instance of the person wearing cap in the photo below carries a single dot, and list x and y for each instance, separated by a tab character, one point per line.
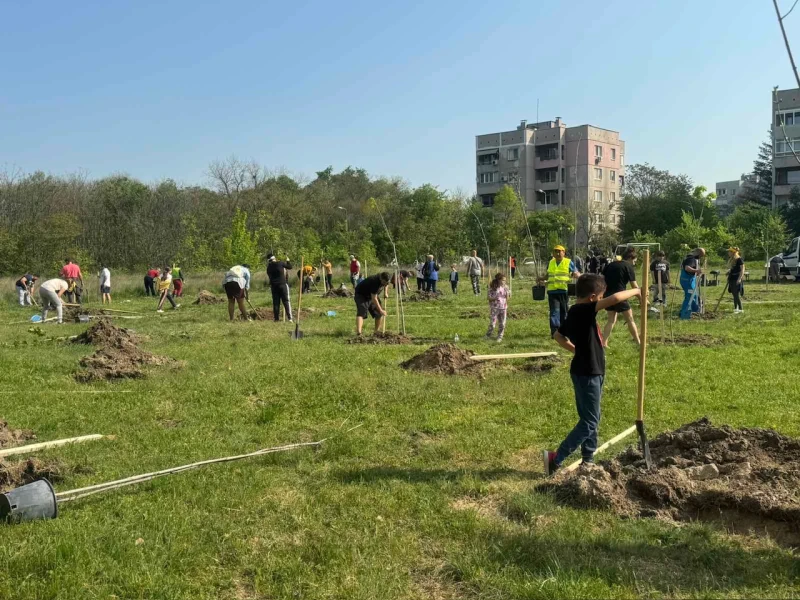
276	273
25	286
355	270
559	273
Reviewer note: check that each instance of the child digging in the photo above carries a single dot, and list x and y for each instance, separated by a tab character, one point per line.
580	334
498	306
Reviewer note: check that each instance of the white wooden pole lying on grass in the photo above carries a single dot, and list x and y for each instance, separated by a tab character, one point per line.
102	487
610	442
45	445
519	355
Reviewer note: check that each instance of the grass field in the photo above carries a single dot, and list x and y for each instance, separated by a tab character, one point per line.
434	496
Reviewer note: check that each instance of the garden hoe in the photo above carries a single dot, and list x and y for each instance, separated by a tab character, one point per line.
297	334
645	446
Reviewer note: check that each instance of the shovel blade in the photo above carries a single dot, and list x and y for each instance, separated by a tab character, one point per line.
296	334
643	444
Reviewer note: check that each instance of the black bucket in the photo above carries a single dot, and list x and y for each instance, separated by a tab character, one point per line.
539	292
30	502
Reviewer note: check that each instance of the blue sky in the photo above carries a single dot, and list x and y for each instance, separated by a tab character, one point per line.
160	89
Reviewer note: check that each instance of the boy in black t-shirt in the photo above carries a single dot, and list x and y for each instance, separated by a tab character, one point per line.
367	302
618	275
580	334
659	266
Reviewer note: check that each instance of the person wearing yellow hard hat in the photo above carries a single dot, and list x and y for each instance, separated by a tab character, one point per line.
559	273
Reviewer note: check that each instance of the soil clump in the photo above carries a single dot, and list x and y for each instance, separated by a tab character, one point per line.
205	297
423	296
382	338
688	339
543	365
13	437
14	474
447	359
746	480
340	292
119	356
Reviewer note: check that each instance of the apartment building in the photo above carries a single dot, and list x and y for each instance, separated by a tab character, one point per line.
554	166
786	144
726	195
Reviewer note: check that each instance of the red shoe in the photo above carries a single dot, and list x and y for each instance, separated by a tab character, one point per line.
549	462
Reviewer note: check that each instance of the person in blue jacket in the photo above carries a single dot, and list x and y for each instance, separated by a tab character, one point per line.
690	270
430	271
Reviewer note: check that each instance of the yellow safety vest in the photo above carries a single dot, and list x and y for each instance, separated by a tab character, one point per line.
558	275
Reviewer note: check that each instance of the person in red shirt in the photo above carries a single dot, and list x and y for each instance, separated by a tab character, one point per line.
149	279
72	271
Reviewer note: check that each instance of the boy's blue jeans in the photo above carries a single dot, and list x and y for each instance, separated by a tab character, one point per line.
588	392
690	303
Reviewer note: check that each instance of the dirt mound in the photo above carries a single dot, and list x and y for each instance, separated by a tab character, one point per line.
447	359
744	479
340	292
14	474
124	362
13	437
104	333
206	297
422	296
382	338
262	314
688	339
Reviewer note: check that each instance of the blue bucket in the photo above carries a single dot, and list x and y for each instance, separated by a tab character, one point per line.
36	319
30	502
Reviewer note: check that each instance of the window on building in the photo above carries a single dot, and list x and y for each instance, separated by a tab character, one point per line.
562	151
598	152
723	192
512	154
613	197
549	176
490	177
784	146
598	174
488	159
613	154
562	198
612	176
487	199
613	219
787	117
621	160
563	175
598	196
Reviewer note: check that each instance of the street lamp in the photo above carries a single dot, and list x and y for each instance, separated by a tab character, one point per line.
543	193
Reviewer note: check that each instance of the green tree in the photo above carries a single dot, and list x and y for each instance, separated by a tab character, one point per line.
760	178
791	212
758	231
240	246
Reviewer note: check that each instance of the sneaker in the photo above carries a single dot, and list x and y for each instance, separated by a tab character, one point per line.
653	309
500	339
488	336
549	461
177	306
159	311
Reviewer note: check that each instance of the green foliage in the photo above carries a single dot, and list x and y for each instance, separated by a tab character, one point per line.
791	212
241	246
549	228
758	231
760	178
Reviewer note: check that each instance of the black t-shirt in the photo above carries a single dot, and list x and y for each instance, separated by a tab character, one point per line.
28	278
660	266
369	286
582	330
618	275
692	262
276	271
736	269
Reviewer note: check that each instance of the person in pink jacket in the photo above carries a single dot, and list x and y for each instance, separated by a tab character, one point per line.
498	306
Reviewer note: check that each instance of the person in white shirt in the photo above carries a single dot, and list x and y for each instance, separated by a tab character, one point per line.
105	285
50	293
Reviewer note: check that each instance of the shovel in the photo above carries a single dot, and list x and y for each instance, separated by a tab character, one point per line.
643	443
297	334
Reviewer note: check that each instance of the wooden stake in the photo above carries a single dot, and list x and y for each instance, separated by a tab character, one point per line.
480	357
45	445
642	364
605	446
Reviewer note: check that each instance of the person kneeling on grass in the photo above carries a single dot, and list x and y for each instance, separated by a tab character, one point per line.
164	283
367	303
580	334
236	284
50	293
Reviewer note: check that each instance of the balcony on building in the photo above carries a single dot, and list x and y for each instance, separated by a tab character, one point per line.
786	179
547	179
547	200
547	156
488	158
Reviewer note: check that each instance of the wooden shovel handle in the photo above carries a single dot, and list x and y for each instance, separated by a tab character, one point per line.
643	335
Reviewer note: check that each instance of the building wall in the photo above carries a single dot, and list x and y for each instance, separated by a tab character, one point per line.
783	101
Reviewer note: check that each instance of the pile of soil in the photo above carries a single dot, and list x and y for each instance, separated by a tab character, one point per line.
119	356
104	333
341	292
423	296
14	474
13	437
447	359
745	479
688	339
382	338
262	314
206	297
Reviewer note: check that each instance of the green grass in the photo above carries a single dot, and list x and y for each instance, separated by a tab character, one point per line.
432	497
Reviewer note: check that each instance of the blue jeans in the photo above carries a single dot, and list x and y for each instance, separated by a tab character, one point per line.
588	393
559	305
690	303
